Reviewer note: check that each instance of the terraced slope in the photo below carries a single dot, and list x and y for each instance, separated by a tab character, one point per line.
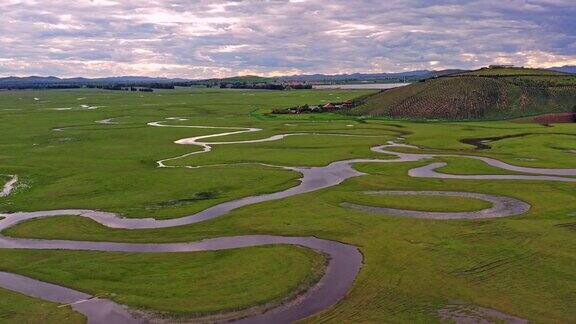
484	94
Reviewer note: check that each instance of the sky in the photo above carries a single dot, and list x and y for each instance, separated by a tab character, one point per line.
203	39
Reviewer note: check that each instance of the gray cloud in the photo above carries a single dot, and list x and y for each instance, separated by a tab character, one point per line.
219	38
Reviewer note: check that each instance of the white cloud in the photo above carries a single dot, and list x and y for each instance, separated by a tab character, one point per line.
207	38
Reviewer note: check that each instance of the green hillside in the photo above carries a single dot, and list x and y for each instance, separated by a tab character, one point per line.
497	93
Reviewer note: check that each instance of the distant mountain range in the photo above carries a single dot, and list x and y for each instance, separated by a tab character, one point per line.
353	76
53	79
417	74
305	77
112	83
566	69
55	82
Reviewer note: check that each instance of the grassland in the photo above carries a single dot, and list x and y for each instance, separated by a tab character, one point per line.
521	265
486	94
179	283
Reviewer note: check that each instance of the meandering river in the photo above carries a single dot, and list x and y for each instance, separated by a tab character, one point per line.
344	260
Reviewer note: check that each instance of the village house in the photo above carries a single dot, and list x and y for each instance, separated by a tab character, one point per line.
348	104
329	106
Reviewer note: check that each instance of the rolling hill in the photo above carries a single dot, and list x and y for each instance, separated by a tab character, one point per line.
485	94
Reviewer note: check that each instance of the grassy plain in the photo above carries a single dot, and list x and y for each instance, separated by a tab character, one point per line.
521	265
180	283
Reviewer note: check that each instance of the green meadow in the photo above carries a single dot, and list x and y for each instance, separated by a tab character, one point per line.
521	265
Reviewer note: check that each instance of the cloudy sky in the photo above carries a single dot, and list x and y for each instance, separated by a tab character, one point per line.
198	39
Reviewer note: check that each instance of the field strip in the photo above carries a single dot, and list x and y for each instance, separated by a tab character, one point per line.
501	206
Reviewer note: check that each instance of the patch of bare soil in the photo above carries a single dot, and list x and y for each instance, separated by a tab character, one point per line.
568	117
